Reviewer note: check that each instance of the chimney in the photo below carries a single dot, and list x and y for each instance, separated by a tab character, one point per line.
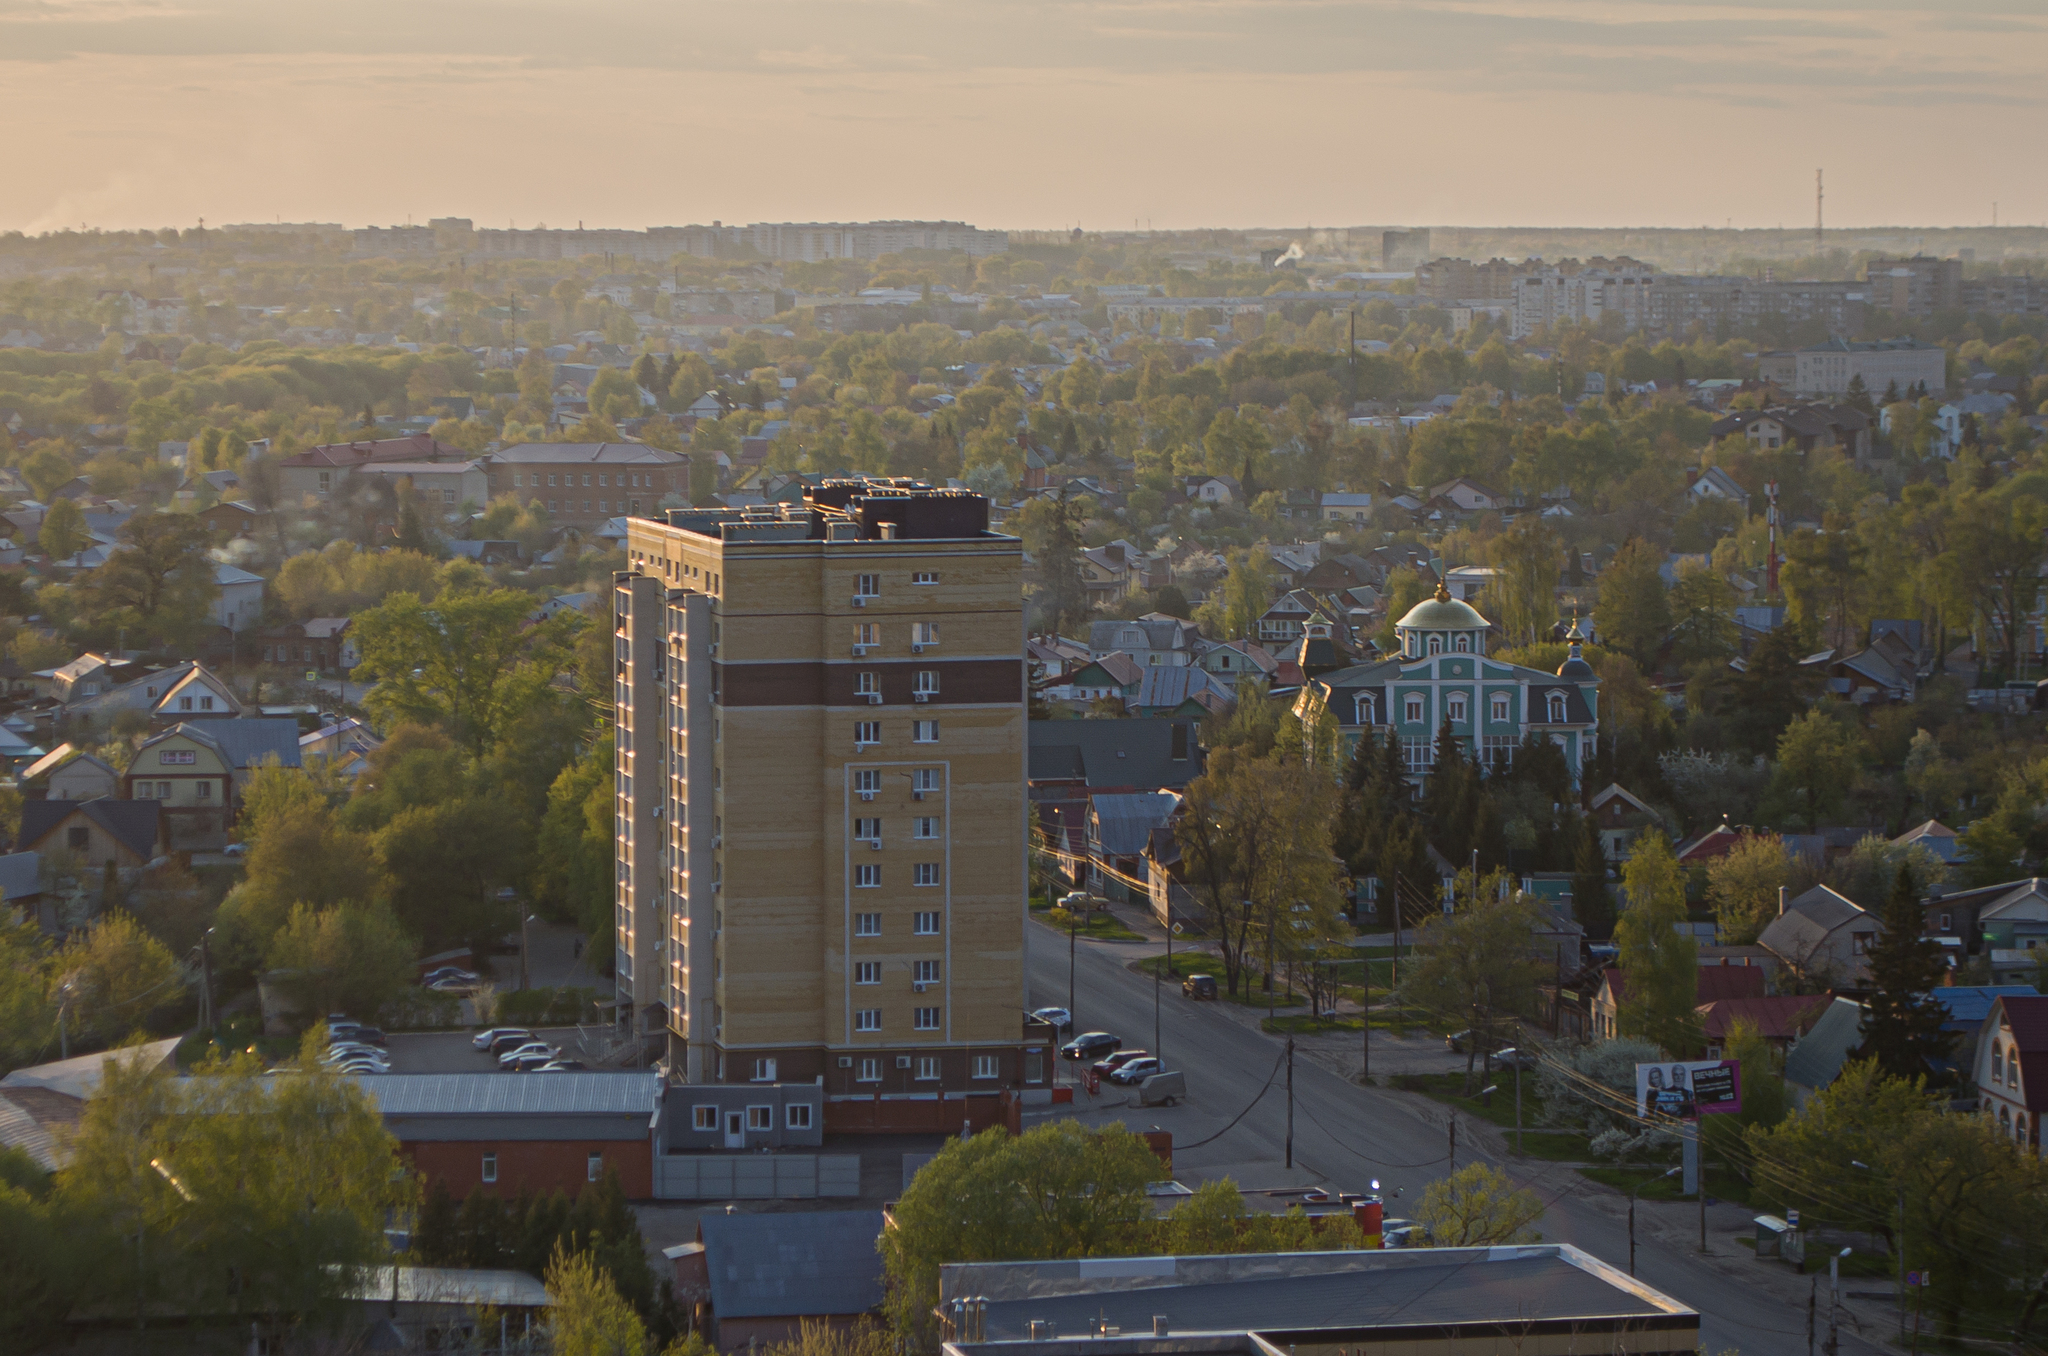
1781	901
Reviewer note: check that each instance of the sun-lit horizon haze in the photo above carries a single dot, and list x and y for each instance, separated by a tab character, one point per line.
1167	114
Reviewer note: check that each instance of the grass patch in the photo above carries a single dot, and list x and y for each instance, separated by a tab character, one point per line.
1249	994
1722	1183
1551	1145
1301	1024
1098	926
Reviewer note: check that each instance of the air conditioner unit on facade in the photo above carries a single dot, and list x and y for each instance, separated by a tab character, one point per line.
874	698
867	795
917	986
859	601
917	649
846	1061
920	696
917	795
875	843
861	651
903	1061
712	649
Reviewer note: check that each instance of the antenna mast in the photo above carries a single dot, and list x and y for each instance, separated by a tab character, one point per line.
1819	201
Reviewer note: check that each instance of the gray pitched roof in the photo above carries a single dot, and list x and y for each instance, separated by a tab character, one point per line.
1124	824
1113	752
1822	1051
785	1265
20	876
135	824
244	741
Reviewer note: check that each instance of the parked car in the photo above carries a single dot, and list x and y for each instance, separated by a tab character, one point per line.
1060	1019
1110	1063
513	1056
1199	986
1458	1040
441	972
355	1061
561	1066
362	1035
235	850
483	1040
1090	1044
1135	1070
461	988
528	1063
511	1040
1080	901
1512	1058
1402	1233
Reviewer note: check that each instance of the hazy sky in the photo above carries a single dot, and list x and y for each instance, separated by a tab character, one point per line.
1022	113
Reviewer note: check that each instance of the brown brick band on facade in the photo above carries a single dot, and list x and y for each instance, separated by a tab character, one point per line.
538	1165
961	682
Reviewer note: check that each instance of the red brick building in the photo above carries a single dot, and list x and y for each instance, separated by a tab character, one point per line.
584	484
505	1132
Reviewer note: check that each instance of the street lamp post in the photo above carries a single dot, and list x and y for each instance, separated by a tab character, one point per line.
1671	1172
1900	1247
524	921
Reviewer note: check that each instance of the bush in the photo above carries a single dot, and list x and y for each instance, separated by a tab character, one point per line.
545	1007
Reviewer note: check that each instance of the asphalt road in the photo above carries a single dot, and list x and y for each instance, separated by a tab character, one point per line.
1345	1135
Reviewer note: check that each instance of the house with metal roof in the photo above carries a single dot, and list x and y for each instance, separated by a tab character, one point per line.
1823	937
93	833
1818	1058
1445	1301
1119	829
1441	680
766	1275
553	1132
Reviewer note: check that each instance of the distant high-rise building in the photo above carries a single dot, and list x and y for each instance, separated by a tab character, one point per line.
1916	286
821	815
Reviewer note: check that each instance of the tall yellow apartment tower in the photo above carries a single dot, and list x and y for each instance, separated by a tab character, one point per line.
821	805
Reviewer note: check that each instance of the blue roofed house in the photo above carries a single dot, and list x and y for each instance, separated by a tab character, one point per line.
1190	692
196	770
762	1276
1119	829
1442	675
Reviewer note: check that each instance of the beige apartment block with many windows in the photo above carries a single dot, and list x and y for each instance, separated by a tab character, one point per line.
821	812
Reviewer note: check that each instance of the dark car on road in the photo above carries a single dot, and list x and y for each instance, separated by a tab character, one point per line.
1090	1045
1199	986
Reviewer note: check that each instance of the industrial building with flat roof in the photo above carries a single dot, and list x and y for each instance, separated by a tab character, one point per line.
1534	1300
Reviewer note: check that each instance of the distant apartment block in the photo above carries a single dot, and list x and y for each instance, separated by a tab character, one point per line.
821	812
779	240
584	484
1828	369
1916	286
1463	280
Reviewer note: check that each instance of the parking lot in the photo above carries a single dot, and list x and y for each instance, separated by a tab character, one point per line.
451	1051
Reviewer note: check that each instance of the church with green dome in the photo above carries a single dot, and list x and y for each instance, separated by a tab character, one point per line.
1441	674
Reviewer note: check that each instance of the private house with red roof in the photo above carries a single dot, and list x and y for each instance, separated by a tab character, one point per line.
1780	1019
2011	1071
1717	983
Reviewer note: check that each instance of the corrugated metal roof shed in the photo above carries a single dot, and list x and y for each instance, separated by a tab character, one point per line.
555	1094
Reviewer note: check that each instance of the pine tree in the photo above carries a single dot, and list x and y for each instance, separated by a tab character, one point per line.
434	1240
1592	902
1902	1025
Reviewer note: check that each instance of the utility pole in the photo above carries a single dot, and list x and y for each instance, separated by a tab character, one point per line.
1290	1101
1454	1141
1365	1027
1518	1103
1159	1045
1812	1298
1073	933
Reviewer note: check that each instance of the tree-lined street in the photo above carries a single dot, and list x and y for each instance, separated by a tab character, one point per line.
1345	1135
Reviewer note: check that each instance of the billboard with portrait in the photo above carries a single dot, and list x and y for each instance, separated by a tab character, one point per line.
1689	1089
